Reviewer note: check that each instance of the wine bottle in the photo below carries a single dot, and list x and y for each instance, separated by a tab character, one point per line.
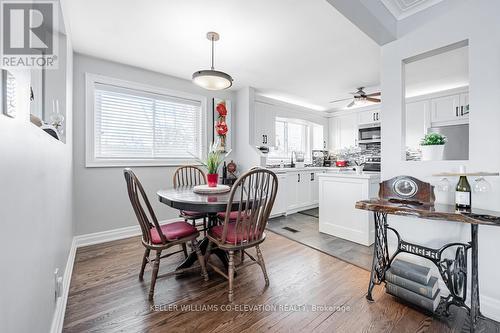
463	194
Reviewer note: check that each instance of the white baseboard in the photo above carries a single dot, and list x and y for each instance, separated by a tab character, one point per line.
111	235
58	318
85	240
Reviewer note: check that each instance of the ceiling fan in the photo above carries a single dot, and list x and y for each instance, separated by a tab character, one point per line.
359	97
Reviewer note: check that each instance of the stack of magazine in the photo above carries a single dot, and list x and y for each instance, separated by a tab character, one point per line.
413	283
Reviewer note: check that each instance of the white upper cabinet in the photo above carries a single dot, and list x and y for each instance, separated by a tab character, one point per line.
265	125
369	117
343	131
450	110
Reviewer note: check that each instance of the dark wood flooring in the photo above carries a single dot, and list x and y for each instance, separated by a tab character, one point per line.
307	232
106	296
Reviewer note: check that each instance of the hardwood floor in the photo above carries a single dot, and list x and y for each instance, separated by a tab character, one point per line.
107	296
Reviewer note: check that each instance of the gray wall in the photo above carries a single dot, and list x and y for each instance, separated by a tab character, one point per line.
35	213
101	201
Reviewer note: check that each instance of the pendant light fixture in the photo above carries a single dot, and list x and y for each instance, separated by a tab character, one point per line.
209	78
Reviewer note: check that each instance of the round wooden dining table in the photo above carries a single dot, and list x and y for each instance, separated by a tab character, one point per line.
183	198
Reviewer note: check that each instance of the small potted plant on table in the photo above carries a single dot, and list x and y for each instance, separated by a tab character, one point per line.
432	147
214	159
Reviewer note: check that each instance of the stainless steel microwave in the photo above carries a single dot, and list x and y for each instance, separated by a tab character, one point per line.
369	133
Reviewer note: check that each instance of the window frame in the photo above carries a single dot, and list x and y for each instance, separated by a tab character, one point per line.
309	128
92	162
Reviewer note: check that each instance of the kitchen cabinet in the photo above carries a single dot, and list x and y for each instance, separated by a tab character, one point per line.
449	110
369	117
343	131
292	190
304	189
265	125
280	203
416	122
337	215
314	187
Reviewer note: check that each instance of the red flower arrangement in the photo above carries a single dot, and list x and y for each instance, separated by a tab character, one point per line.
221	109
221	128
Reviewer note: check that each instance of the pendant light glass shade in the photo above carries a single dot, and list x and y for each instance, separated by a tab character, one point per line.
211	79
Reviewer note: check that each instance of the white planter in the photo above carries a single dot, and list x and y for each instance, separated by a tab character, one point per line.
432	153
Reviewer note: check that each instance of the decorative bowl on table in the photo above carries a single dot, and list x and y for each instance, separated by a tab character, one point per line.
205	189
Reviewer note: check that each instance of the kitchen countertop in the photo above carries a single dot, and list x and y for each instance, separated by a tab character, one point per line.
351	174
330	171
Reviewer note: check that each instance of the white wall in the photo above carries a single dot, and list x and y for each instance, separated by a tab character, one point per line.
477	21
35	213
101	201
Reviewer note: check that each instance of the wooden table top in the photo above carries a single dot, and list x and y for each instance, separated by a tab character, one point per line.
184	198
431	211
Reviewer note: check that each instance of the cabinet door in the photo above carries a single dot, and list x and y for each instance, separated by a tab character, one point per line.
348	130
280	203
315	186
334	133
292	190
304	189
416	123
265	125
445	109
370	116
464	105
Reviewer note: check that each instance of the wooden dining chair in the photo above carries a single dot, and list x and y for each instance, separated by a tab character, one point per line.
159	238
255	191
190	175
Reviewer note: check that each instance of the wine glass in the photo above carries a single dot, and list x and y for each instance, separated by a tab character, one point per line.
481	185
443	185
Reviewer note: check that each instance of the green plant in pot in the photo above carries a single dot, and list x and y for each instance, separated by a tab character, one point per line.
432	147
214	159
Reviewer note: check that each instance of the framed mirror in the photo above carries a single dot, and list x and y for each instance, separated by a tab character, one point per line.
436	104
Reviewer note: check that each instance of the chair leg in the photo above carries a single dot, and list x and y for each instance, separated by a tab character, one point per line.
261	264
231	275
242	256
144	262
207	252
156	267
201	259
204	226
184	249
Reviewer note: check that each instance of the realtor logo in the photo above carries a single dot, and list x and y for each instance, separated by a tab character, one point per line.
28	34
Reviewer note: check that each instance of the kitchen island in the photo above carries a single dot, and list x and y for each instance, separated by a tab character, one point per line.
338	193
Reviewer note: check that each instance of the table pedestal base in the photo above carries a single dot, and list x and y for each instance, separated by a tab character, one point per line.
192	257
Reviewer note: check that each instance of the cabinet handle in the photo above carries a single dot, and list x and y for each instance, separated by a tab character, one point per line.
462	110
298	178
456	111
265	138
374	117
312	176
377	115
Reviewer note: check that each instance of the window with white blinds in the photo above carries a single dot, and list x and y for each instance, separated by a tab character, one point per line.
136	127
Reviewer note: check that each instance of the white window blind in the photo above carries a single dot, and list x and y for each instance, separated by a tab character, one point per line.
136	125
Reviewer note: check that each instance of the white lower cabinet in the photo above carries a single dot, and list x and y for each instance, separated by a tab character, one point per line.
297	190
338	216
280	203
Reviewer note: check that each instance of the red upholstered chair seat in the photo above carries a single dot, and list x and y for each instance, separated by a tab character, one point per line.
231	236
172	231
192	213
233	216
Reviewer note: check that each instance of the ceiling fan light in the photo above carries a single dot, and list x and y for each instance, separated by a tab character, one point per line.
212	79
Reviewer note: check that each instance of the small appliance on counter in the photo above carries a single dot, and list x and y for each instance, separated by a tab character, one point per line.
341	163
319	157
299	159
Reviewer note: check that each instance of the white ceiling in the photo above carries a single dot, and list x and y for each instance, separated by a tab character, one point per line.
404	8
301	51
439	72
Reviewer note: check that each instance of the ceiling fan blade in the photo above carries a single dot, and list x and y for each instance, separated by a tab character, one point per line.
374	94
376	100
350	104
340	100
